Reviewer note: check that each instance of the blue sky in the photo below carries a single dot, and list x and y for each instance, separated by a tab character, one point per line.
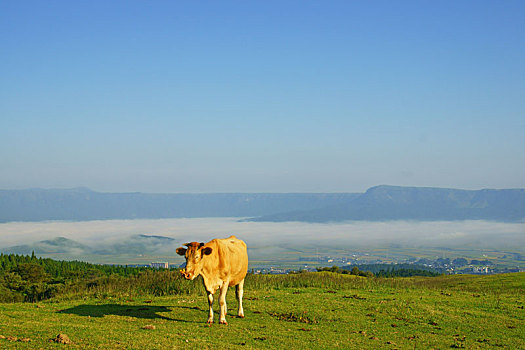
262	96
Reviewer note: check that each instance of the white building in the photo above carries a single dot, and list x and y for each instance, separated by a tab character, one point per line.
482	270
159	265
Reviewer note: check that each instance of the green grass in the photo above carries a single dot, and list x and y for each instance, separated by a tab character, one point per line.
311	310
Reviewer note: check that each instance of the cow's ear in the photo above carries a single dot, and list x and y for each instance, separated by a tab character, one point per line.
207	251
181	251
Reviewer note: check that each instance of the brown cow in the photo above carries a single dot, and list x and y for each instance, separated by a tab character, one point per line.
222	263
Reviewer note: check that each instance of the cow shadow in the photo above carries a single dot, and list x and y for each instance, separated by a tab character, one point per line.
137	311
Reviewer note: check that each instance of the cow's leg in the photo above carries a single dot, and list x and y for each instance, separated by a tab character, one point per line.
210	303
239	291
222	302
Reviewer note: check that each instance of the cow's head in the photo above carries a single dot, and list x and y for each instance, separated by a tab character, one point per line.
194	254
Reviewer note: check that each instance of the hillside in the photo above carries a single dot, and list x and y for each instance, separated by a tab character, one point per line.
384	203
329	310
83	204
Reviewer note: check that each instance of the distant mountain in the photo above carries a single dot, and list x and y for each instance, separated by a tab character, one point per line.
378	203
134	245
383	203
58	245
139	244
83	204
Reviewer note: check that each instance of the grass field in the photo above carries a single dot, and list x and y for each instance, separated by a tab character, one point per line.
308	310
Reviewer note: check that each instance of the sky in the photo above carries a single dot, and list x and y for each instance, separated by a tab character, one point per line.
261	96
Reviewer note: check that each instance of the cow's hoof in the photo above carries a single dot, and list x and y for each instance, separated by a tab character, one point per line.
241	316
210	322
223	322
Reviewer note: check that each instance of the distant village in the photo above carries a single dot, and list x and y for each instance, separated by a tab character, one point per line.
440	265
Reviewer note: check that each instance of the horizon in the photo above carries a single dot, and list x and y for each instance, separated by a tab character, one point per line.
269	97
84	188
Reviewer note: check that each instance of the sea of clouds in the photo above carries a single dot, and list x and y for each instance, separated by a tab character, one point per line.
472	234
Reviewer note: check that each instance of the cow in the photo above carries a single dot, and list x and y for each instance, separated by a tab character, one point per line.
222	263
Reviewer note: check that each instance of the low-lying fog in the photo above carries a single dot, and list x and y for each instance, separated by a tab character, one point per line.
472	234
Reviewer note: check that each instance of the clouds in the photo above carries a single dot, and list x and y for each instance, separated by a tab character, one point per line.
271	236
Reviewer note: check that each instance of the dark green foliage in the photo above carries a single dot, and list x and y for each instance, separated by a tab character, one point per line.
460	262
355	271
376	268
27	278
384	270
481	262
406	273
32	272
330	269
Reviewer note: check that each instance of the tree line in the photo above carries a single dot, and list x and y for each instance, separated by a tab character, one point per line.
382	270
28	278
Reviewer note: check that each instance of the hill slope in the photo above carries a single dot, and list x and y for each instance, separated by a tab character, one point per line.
285	311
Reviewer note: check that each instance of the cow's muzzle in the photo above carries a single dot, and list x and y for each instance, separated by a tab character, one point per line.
187	275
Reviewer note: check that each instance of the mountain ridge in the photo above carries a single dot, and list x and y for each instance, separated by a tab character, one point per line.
81	204
378	203
385	202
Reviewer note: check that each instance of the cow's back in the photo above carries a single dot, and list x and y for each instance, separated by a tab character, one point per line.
233	259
